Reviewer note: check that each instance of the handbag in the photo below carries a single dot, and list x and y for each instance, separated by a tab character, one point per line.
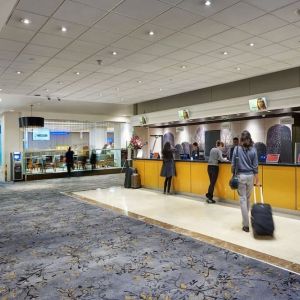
234	181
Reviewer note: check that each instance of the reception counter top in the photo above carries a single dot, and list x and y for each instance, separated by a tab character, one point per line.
281	182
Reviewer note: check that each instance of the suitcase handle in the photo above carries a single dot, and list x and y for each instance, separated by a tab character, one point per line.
261	193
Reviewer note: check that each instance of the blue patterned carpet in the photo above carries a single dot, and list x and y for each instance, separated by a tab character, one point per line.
55	247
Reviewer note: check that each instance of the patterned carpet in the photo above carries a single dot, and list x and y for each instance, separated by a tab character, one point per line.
55	247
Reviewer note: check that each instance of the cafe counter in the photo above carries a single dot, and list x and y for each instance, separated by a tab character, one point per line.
281	183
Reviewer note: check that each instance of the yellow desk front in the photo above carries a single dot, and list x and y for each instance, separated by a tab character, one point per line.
281	183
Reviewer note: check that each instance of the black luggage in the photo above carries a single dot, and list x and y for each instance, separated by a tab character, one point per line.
128	173
261	217
135	181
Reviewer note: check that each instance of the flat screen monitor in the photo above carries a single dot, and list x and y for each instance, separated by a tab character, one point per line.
183	114
258	104
41	134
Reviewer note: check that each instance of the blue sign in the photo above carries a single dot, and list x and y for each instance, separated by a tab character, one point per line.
60	132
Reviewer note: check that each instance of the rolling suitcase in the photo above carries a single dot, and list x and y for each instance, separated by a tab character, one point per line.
135	181
261	216
128	173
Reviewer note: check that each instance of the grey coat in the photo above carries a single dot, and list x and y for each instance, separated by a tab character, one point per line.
168	168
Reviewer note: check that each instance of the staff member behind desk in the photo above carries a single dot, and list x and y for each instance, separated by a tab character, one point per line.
195	151
168	166
215	157
235	143
70	160
247	173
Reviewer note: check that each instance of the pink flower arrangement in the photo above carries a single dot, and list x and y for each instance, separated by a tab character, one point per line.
135	142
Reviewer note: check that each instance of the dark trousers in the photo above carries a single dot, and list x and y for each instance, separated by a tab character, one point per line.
213	172
168	182
69	168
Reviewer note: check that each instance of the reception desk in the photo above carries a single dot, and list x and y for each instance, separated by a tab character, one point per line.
281	183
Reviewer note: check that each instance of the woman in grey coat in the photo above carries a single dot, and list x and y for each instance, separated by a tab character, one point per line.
168	167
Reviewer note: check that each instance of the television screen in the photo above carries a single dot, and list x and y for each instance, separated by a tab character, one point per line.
258	104
183	114
41	134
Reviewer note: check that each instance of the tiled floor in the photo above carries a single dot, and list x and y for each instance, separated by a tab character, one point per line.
218	221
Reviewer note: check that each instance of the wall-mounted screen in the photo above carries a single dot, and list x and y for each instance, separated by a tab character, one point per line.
41	134
258	104
183	114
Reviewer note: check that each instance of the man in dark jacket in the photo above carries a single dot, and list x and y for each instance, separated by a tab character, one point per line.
70	160
235	143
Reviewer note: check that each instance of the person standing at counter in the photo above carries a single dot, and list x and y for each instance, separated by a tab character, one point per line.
195	151
235	143
247	171
215	157
168	167
70	160
93	159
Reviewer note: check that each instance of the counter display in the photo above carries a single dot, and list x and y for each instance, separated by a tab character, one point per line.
281	182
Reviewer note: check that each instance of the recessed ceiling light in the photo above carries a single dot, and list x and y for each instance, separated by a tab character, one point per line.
207	3
160	89
151	32
64	29
251	44
0	90
0	99
25	21
139	81
238	68
19	72
183	67
114	53
225	53
77	73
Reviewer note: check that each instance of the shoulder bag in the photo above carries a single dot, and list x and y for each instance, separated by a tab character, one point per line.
234	181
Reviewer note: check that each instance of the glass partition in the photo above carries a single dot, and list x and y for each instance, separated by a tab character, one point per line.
53	161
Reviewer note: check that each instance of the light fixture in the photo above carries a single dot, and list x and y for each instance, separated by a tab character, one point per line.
77	73
19	72
0	100
58	99
25	21
238	68
183	67
139	81
207	3
114	53
151	32
225	53
31	122
48	98
64	29
160	89
0	90
251	44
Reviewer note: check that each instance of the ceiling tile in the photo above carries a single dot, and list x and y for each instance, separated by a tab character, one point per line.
245	57
220	52
204	46
37	21
16	34
142	9
198	7
44	39
182	55
205	28
285	55
40	50
179	40
53	26
79	13
159	32
176	19
40	7
8	45
203	60
7	55
257	41
86	47
100	36
261	62
269	5
238	14
61	63
112	70
158	49
230	36
36	59
118	24
289	13
131	43
140	58
292	43
282	33
173	2
103	4
72	55
272	49
262	24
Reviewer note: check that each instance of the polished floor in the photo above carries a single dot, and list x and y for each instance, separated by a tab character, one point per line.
219	221
54	246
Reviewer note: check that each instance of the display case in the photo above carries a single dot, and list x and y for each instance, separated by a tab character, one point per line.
53	161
